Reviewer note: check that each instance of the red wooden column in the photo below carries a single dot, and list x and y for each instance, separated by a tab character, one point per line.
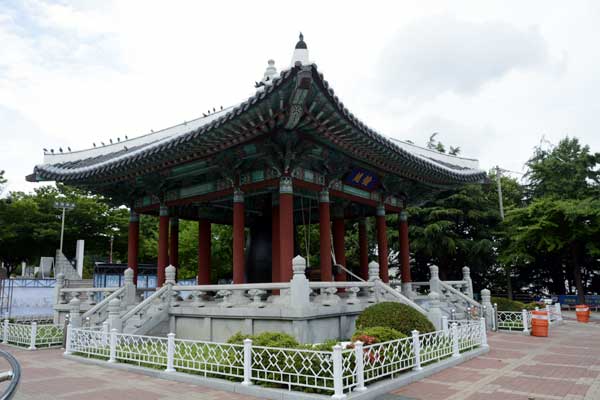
286	228
363	248
204	251
239	221
325	237
174	243
275	241
404	249
133	242
339	245
382	243
163	244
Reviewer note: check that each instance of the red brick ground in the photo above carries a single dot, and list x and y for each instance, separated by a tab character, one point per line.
564	366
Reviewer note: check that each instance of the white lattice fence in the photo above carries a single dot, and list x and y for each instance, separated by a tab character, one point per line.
209	359
293	367
513	320
31	335
335	372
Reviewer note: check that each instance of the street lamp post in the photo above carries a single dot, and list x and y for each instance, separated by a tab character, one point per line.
65	206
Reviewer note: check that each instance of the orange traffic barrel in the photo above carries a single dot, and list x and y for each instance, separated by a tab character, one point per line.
539	323
583	313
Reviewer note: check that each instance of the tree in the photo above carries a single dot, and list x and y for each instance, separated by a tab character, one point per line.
2	180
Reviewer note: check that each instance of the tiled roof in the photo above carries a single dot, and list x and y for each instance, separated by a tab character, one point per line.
102	161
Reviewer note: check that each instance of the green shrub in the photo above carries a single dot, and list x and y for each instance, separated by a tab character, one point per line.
505	304
393	315
269	339
378	333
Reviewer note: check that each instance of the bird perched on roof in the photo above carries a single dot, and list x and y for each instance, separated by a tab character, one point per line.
118	139
45	150
214	109
52	151
68	148
60	149
110	140
94	144
221	107
125	147
204	115
126	137
102	143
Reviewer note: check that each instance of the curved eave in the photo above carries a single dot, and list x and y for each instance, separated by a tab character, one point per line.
388	155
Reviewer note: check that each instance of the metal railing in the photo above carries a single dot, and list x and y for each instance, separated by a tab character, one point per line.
336	372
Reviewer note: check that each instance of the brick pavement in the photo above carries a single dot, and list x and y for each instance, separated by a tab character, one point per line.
564	366
47	375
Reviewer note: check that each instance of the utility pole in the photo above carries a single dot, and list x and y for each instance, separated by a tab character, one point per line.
65	206
500	204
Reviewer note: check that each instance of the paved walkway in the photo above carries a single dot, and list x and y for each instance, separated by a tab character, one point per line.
564	366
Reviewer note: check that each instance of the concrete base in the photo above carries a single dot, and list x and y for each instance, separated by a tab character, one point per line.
372	391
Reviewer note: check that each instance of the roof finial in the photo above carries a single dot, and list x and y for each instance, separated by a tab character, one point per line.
300	52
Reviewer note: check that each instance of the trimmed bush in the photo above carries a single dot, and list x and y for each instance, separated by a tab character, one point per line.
378	334
505	304
269	339
393	315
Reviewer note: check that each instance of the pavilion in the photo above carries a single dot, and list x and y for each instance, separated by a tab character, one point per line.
291	154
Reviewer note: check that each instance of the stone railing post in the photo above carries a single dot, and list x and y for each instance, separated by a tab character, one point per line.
247	362
467	278
58	286
33	335
170	353
525	319
486	299
130	290
170	273
416	344
455	348
114	315
484	342
299	285
113	346
360	366
374	277
75	312
338	379
68	340
434	279
5	332
435	312
549	314
445	325
558	311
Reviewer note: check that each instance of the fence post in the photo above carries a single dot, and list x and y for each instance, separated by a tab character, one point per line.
549	314
525	319
247	362
105	333
5	332
68	345
484	342
455	350
33	335
170	352
416	350
113	346
360	366
338	381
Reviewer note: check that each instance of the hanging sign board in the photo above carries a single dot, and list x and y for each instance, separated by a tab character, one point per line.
363	179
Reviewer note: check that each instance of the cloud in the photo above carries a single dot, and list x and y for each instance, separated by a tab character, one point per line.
443	54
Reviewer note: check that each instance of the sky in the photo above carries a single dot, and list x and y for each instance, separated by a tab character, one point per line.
495	78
